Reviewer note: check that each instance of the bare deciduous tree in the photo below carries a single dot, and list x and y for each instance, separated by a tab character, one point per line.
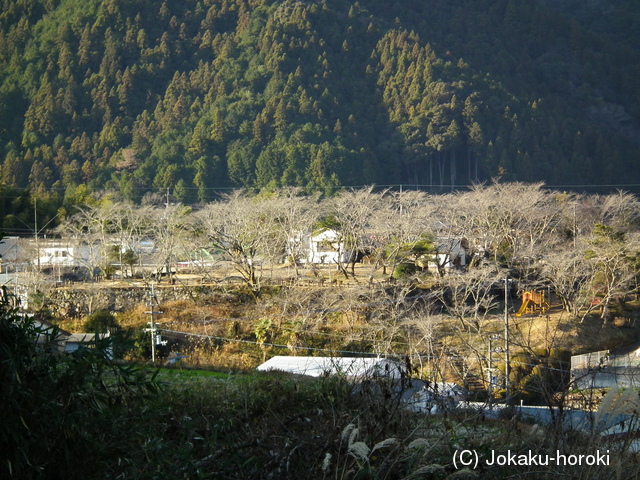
90	231
611	255
128	228
295	214
352	210
620	211
470	296
244	229
171	227
568	272
398	226
508	222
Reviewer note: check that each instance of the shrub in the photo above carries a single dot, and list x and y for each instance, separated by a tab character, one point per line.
405	270
63	415
100	322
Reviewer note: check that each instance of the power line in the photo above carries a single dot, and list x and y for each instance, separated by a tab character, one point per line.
267	344
418	186
334	351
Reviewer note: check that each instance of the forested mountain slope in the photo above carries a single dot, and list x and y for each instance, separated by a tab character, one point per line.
200	95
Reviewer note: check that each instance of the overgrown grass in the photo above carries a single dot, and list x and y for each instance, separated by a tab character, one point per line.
184	374
280	426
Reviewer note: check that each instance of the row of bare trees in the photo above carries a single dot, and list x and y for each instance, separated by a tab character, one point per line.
584	246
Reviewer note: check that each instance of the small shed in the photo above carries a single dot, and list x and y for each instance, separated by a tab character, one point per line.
63	341
450	253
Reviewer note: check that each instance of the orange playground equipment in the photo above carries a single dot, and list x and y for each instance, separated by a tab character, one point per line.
533	302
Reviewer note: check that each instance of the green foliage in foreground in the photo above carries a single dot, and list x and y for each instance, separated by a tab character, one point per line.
64	414
87	416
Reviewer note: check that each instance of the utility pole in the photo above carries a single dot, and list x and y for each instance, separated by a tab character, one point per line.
575	226
490	375
153	301
35	229
506	341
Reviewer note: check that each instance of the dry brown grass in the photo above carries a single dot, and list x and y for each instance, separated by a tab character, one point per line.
229	356
333	316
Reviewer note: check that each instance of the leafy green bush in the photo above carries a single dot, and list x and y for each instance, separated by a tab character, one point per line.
405	270
100	322
64	415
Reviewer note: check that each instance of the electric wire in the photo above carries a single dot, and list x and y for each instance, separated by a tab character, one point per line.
348	352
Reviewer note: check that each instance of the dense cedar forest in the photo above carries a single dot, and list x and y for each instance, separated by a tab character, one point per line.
192	97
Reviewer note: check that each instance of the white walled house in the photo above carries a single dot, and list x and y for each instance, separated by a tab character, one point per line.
322	247
60	254
450	253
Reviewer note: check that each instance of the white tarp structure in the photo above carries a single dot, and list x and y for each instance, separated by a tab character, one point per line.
417	395
607	368
323	366
436	396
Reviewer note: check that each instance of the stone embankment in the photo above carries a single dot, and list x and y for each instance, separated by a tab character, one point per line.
83	299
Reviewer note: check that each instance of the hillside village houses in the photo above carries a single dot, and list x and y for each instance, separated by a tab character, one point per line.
61	254
326	246
61	257
19	254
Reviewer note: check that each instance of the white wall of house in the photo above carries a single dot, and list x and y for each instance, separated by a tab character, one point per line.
323	247
327	247
449	253
63	255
